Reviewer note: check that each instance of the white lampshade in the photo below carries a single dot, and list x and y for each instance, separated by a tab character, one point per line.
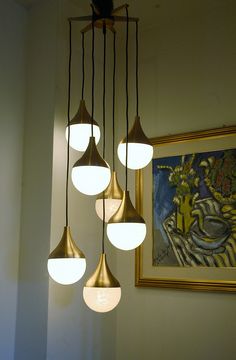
101	299
111	207
139	155
80	134
126	236
91	180
66	271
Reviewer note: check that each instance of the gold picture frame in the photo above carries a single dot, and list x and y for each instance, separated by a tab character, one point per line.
180	277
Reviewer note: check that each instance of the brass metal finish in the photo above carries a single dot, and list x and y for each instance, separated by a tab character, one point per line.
113	191
82	116
119	8
66	248
136	134
126	212
91	156
189	136
102	277
142	280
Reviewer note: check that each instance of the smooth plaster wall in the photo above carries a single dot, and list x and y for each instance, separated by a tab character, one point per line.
31	326
74	331
187	82
12	95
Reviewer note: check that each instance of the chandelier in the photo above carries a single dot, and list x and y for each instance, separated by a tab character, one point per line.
92	175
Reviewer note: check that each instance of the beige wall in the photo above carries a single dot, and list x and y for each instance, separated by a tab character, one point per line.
187	82
12	100
31	327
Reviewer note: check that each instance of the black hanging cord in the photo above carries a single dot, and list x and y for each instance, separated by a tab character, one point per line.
127	97
83	76
68	124
104	126
114	98
93	75
104	88
137	61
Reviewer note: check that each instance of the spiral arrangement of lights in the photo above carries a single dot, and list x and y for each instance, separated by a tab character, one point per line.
91	175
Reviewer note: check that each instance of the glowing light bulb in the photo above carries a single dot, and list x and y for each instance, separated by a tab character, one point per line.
139	155
80	134
126	236
101	299
66	271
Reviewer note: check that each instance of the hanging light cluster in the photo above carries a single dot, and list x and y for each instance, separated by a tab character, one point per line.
91	175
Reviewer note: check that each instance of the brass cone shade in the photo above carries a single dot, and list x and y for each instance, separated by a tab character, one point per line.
91	157
136	134
102	277
66	248
113	191
126	212
82	116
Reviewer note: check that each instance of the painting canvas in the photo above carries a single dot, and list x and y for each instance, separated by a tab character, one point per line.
187	196
194	209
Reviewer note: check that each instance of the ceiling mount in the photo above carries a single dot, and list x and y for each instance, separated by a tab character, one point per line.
100	20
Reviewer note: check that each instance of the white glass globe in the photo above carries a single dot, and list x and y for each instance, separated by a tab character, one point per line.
101	299
80	135
126	236
91	180
111	207
66	271
139	155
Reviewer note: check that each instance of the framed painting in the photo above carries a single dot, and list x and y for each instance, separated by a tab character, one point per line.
187	196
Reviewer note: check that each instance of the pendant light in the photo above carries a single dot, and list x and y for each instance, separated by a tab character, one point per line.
112	196
91	173
139	147
102	291
67	264
80	125
126	229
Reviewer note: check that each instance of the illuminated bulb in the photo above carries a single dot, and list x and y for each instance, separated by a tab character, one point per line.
140	150
101	299
126	229
126	236
139	155
102	291
112	198
80	134
81	129
111	207
66	271
91	174
66	264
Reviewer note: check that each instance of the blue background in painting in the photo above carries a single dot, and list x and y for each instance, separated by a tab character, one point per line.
163	192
